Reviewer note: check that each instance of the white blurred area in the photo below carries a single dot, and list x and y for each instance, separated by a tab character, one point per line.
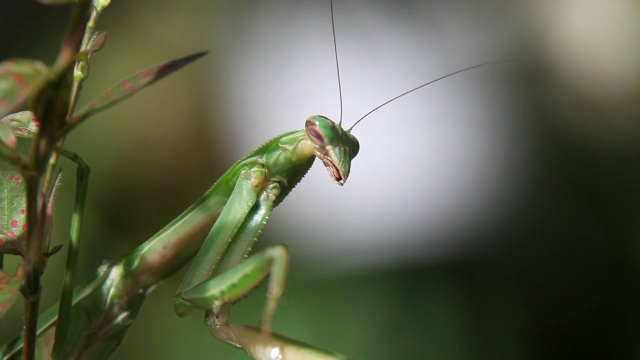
434	168
593	45
592	51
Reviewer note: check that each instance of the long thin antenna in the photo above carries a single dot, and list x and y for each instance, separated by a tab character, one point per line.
335	51
428	83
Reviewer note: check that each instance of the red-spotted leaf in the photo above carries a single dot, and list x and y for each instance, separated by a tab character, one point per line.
12	212
132	85
8	142
18	78
23	123
9	289
7	137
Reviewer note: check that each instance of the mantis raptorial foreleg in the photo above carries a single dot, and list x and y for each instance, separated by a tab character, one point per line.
225	248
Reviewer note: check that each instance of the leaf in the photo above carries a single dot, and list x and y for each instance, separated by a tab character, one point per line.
23	123
9	289
7	137
97	42
18	78
12	212
132	85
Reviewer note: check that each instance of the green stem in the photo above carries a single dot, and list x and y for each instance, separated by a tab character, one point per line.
33	270
75	39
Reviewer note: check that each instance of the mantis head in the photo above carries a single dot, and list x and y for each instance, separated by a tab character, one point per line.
333	145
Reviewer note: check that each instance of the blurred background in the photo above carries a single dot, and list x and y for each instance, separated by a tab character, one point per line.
494	214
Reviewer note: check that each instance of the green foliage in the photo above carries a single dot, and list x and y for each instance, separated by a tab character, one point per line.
22	124
12	234
9	289
37	103
132	85
13	212
7	137
18	79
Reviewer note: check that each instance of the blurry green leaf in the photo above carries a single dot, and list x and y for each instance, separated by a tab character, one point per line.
13	212
18	78
9	289
7	137
8	142
24	123
132	85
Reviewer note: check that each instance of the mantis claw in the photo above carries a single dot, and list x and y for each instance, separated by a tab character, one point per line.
217	322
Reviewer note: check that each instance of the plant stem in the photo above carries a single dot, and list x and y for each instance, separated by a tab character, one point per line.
41	163
33	263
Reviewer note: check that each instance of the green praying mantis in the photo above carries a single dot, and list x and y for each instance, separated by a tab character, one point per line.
218	232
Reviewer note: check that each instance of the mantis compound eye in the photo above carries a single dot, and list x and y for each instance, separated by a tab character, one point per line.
321	130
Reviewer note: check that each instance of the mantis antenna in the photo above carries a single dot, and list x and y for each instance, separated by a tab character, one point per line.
428	83
335	51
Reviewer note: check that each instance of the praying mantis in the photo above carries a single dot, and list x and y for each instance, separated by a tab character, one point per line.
229	217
